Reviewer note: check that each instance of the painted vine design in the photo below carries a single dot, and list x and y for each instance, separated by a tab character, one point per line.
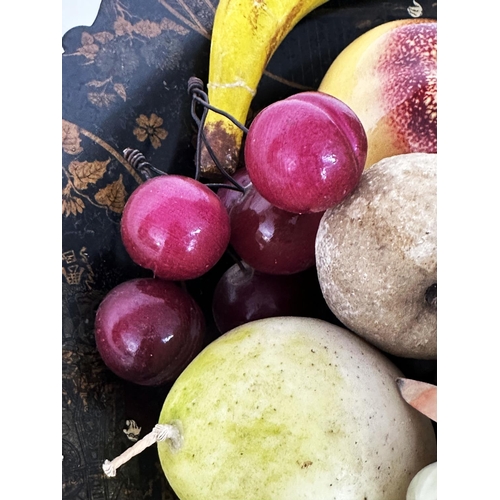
81	177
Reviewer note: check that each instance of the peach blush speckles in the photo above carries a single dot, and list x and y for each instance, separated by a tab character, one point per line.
409	68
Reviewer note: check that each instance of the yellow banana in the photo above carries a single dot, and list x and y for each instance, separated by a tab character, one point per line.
245	35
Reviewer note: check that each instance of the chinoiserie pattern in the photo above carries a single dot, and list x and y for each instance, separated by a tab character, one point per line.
125	85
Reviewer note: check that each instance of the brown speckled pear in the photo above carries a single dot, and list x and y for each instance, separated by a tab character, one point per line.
376	256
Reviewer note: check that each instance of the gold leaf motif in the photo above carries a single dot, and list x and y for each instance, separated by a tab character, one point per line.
113	196
103	36
96	83
120	90
85	173
71	138
87	38
101	99
123	27
148	29
71	205
88	51
167	24
150	128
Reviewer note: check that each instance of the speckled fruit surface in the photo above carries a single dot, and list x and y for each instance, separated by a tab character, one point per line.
286	407
388	76
376	256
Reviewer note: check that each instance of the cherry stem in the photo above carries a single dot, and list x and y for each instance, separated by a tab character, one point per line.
204	102
160	432
237	259
195	89
199	96
139	163
217	185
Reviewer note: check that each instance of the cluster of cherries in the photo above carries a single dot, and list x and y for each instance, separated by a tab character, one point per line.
302	155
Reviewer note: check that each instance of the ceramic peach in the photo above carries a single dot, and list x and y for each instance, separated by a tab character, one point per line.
388	77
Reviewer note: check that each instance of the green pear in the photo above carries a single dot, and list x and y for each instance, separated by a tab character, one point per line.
292	408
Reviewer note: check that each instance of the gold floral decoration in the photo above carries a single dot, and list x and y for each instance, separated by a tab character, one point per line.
123	27
88	49
147	28
150	128
103	37
102	50
71	138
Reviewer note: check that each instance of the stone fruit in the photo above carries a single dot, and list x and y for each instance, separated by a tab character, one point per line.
244	36
424	485
175	226
292	408
271	240
147	330
376	256
243	294
305	153
388	77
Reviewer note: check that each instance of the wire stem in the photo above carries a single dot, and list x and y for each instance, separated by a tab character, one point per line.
199	96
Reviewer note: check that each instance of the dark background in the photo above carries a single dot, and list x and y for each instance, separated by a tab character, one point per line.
127	71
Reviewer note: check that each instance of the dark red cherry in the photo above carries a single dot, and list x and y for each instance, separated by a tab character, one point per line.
243	294
147	330
269	239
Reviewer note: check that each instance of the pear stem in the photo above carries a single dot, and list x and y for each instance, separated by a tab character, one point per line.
431	295
160	432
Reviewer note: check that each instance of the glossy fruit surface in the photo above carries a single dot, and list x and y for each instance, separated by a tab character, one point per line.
244	36
272	240
244	294
306	153
175	226
147	330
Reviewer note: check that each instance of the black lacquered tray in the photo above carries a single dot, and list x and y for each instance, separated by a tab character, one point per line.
125	85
